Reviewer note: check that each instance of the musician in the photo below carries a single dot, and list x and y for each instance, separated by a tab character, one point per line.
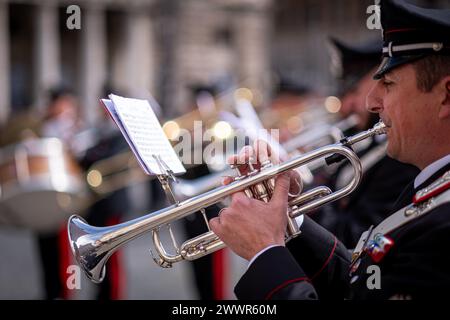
109	209
210	271
407	250
61	121
292	96
384	178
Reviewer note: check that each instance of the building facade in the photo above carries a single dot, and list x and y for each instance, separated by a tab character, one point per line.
162	47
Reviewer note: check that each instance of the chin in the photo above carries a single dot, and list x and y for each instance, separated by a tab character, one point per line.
394	154
391	152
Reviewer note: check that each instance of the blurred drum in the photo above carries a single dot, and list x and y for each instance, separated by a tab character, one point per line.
40	185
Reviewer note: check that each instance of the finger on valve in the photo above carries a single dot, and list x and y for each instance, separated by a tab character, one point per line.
281	190
296	184
244	161
234	161
263	152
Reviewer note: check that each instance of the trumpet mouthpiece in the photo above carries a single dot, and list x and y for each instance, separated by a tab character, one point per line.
380	127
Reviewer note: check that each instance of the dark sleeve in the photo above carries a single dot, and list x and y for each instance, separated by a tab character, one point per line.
275	275
317	259
324	259
417	265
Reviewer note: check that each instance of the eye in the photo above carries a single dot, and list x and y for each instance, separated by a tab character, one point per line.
387	83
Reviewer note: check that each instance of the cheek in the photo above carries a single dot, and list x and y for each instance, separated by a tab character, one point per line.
419	121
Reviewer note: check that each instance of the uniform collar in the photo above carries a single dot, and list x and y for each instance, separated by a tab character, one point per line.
426	173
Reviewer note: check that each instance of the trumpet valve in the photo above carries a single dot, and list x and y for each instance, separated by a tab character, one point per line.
260	192
240	176
294	211
252	171
293	229
269	183
266	164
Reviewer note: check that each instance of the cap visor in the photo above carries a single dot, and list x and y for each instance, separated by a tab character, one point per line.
390	63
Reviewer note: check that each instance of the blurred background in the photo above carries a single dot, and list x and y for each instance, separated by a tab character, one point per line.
57	142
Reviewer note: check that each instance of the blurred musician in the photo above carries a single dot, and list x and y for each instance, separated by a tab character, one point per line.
290	99
62	121
209	271
383	177
29	126
109	209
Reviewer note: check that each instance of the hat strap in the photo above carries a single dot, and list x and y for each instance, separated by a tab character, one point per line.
390	49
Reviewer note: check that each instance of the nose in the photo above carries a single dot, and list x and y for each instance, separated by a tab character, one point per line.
374	101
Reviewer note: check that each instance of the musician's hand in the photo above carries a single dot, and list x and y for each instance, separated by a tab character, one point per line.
248	225
259	153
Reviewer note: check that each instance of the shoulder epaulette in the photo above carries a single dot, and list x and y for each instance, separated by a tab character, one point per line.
434	189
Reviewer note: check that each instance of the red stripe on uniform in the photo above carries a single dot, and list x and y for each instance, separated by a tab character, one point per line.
271	293
115	271
431	194
399	30
328	259
219	260
64	260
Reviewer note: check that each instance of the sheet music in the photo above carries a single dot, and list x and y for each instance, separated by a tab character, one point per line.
113	113
144	133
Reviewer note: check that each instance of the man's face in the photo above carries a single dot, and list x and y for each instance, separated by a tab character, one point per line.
354	102
409	113
64	106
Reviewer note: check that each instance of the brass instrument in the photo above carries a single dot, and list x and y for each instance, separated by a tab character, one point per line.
92	246
111	174
315	137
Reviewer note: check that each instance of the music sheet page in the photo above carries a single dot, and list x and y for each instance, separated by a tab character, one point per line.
146	133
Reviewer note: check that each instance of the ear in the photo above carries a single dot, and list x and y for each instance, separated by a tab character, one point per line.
444	110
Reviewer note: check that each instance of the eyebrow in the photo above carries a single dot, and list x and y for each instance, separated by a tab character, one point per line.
393	75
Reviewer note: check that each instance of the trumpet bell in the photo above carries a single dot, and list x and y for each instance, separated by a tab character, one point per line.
84	241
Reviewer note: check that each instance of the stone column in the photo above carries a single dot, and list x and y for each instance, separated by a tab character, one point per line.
253	46
5	101
93	60
46	64
133	70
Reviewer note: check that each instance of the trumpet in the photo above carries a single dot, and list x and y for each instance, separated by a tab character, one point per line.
323	132
92	246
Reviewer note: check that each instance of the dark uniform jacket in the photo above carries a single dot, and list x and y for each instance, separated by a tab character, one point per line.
417	265
383	181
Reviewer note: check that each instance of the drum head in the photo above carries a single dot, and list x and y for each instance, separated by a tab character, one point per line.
41	211
40	185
